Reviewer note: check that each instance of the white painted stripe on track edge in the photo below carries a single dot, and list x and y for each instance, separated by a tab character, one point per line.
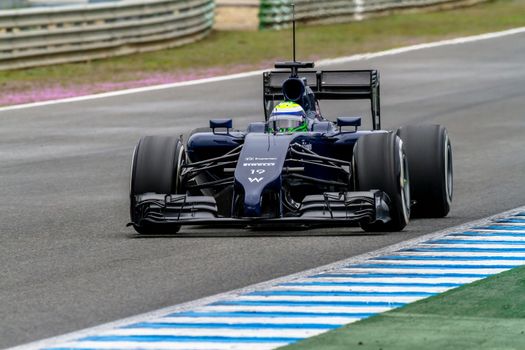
440	262
203	309
500	230
401	288
244	320
487	238
437	270
405	280
171	346
464	254
477	246
217	332
325	62
278	308
306	298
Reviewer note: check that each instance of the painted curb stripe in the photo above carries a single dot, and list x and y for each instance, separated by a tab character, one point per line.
230	325
460	264
406	275
482	242
301	298
271	314
468	250
313	293
452	258
268	321
350	284
434	266
306	303
228	333
171	346
174	338
488	237
423	252
489	234
519	229
320	309
287	310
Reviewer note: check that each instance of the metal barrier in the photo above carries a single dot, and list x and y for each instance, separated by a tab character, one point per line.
278	13
44	36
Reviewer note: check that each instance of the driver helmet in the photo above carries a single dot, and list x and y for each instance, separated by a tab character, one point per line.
288	117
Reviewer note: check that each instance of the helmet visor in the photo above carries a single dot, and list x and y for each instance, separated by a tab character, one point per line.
287	123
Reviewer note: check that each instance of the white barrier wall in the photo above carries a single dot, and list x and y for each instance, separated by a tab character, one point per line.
44	36
278	13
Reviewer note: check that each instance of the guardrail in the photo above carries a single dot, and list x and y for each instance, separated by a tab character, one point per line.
278	13
44	36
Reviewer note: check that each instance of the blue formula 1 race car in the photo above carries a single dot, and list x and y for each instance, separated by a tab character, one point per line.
295	167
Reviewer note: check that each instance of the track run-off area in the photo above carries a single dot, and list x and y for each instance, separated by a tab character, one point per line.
285	311
70	263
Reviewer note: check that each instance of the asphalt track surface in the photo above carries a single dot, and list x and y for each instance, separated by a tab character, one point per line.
68	261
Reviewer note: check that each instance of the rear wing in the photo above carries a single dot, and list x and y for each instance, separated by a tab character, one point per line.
329	85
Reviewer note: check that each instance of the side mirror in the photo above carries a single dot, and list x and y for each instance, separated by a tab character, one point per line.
349	121
221	124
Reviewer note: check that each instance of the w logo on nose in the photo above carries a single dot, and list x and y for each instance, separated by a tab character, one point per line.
255	179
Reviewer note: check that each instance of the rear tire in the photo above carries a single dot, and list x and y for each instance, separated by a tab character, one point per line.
429	151
380	164
156	167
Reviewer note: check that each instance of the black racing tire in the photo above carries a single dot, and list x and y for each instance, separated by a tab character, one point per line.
380	164
429	153
156	168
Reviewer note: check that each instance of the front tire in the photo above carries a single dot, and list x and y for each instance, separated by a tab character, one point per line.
429	152
380	163
156	167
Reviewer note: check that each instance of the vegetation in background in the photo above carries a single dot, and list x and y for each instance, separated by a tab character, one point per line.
229	52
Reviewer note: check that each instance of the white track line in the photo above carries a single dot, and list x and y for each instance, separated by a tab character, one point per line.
419	279
500	230
464	254
430	289
244	320
306	298
217	332
487	238
326	62
437	270
171	346
511	245
509	223
437	263
278	308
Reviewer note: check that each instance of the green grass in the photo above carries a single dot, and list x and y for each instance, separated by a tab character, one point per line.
488	314
226	52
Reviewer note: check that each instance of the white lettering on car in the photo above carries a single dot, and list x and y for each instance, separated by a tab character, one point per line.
258	164
251	159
